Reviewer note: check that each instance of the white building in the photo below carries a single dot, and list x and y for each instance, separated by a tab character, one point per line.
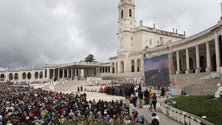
133	40
198	53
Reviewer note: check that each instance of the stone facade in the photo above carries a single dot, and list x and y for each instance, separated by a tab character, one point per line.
133	40
198	53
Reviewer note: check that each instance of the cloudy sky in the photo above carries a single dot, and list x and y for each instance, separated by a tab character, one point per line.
35	32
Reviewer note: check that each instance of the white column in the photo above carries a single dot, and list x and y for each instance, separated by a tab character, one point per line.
75	74
68	73
71	73
178	62
118	67
111	69
217	52
197	60
208	69
48	73
63	73
82	73
187	61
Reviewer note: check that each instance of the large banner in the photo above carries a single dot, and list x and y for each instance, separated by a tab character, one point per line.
157	71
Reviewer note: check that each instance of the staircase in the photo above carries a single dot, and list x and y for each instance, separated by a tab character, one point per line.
198	84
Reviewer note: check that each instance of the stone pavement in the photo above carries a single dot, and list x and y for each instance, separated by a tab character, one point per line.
164	120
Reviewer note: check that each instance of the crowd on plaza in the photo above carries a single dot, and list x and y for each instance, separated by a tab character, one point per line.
138	96
30	106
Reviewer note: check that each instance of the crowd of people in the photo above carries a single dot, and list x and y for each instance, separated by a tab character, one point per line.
138	97
29	106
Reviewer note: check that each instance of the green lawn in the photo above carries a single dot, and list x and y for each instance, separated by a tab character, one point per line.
201	106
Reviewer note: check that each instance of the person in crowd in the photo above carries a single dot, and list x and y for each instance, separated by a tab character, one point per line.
140	96
154	101
133	99
162	93
81	88
155	119
151	99
146	96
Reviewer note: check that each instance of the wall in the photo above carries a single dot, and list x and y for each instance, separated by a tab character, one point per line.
181	116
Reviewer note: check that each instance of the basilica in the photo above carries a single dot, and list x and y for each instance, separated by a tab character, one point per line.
195	54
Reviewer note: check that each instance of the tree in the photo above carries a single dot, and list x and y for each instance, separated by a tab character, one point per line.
89	58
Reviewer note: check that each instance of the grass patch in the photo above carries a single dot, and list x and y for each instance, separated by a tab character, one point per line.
200	106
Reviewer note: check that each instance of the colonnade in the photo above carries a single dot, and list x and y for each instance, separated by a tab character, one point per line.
200	56
69	73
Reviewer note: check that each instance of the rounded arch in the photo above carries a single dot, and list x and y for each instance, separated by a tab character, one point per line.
41	75
23	75
10	76
138	62
2	76
29	76
16	76
132	65
36	75
122	66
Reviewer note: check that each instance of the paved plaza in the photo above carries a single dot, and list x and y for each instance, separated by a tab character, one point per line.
70	87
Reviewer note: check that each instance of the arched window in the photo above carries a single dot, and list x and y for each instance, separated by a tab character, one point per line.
132	66
130	12
41	75
121	14
24	75
16	76
10	76
138	65
2	77
29	75
36	75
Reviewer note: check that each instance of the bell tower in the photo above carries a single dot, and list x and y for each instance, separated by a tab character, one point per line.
126	25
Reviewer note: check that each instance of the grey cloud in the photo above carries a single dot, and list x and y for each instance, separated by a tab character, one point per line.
33	32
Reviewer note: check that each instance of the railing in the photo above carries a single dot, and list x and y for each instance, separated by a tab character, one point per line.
181	116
